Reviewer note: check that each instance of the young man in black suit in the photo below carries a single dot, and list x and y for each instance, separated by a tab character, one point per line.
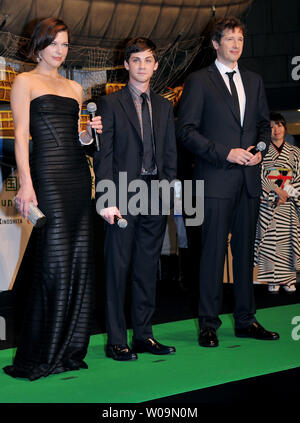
223	114
138	140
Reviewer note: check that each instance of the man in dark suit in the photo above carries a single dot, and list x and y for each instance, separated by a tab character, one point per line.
223	114
138	141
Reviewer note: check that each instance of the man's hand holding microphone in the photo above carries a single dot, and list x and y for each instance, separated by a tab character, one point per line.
250	157
113	216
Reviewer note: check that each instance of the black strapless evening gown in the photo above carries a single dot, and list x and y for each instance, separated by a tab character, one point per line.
56	328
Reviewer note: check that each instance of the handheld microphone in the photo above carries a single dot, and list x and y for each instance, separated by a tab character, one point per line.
122	223
91	108
261	146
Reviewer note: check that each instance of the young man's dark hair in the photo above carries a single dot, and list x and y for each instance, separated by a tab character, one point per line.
135	45
278	118
225	23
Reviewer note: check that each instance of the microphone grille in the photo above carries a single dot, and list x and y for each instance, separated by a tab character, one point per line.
261	146
91	107
122	223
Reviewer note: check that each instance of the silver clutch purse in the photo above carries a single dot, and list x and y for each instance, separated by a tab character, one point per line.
35	215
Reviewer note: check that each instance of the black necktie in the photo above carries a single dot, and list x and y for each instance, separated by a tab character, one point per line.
148	159
234	93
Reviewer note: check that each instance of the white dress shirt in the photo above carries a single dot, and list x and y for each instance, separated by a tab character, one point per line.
238	83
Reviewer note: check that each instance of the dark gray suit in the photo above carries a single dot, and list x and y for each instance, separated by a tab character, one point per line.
138	246
209	126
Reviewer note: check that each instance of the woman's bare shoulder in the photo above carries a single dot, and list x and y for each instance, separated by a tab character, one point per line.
24	78
77	89
76	86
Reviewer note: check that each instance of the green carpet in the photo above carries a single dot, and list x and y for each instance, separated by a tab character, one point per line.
151	377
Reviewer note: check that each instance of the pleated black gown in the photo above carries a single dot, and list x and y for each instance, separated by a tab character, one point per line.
56	328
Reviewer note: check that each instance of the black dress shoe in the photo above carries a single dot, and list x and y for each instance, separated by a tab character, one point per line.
120	352
151	346
256	331
208	337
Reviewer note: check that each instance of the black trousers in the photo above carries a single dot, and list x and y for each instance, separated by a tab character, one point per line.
135	249
237	215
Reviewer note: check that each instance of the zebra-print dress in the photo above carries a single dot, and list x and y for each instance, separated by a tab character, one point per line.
277	244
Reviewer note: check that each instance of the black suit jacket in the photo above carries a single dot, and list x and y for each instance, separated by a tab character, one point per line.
121	142
209	127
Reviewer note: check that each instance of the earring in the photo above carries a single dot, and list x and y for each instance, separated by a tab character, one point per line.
39	58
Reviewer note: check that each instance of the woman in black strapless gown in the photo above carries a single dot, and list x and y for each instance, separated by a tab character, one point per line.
56	328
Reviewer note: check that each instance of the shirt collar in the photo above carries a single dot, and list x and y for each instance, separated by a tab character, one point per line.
138	92
223	68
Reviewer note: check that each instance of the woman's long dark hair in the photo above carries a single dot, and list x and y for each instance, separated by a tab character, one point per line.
43	35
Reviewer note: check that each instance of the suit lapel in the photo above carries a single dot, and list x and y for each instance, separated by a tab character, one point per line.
248	93
129	108
219	83
156	114
128	105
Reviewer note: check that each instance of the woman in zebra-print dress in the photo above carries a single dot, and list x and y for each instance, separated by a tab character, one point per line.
277	244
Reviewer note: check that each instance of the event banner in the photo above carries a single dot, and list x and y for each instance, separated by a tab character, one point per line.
14	231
